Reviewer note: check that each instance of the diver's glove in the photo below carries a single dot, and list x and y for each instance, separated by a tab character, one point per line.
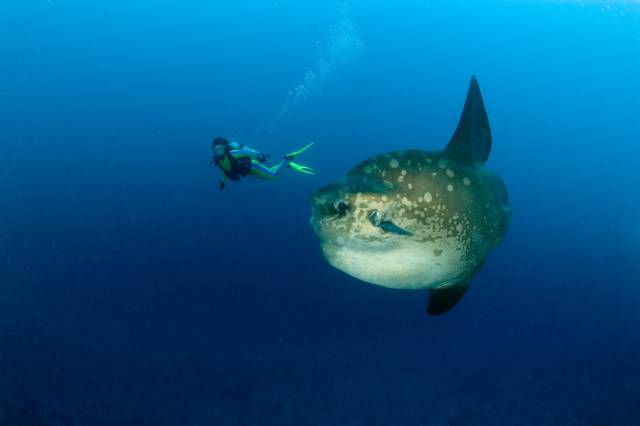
221	186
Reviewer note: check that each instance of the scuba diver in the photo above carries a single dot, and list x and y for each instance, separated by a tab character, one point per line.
236	160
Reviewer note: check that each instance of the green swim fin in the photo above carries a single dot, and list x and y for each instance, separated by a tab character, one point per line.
301	169
294	154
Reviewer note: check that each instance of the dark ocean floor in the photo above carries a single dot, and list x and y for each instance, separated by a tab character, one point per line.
169	346
52	382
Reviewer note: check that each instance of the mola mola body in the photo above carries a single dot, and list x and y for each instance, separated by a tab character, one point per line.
418	219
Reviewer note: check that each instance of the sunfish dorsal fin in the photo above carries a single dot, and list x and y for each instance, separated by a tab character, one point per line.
471	142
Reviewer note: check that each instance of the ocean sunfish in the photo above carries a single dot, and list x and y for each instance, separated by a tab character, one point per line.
418	219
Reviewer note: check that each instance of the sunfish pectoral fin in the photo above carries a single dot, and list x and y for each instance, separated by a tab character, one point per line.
391	227
471	142
443	299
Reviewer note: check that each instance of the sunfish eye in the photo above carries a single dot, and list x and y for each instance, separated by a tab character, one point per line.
340	207
375	218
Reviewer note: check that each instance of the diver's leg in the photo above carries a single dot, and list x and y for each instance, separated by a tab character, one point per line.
260	171
294	154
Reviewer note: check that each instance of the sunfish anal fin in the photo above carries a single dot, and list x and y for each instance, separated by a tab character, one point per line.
443	299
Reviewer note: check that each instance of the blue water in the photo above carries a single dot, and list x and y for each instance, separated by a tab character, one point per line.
133	292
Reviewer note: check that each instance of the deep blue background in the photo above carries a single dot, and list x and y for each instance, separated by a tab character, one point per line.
133	292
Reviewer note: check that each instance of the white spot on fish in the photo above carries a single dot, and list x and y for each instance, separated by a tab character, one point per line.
466	181
442	164
400	178
393	163
410	186
428	197
404	172
450	188
450	173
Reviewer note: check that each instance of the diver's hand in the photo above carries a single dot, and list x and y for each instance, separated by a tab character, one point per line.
221	186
